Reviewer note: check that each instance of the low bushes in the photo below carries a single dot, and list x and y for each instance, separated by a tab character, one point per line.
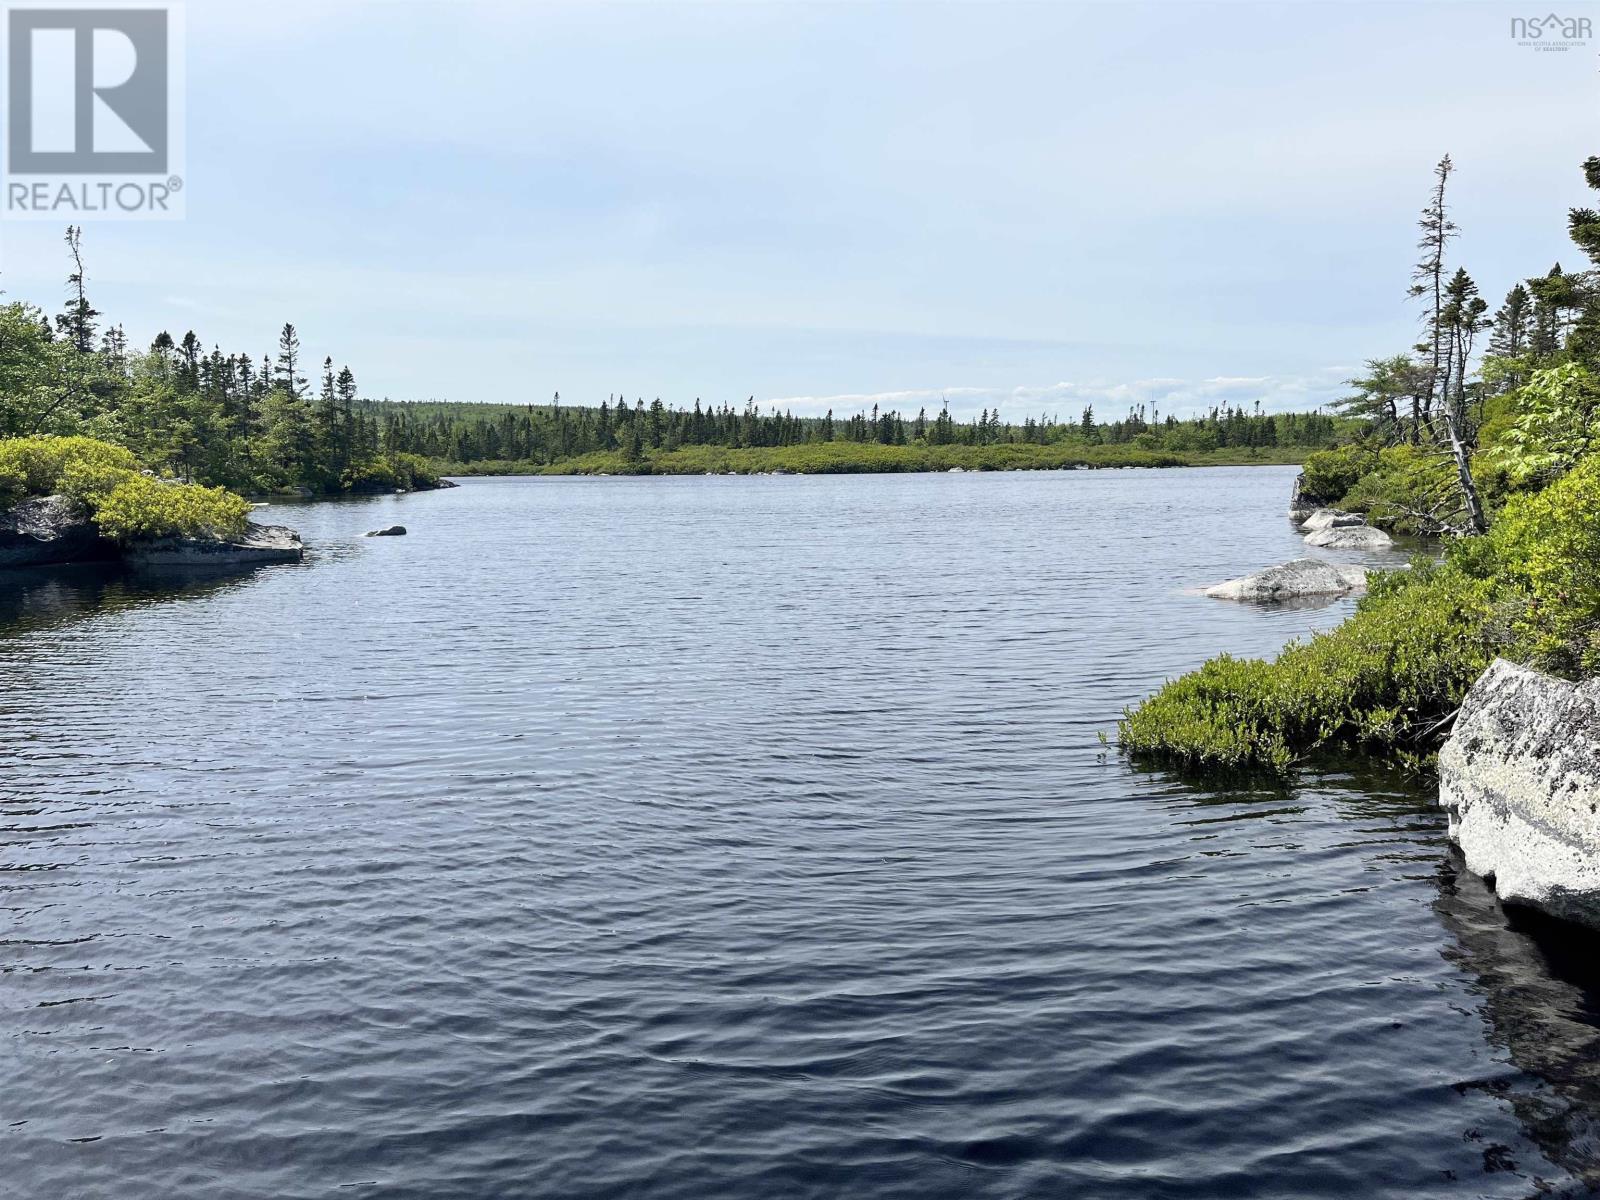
43	466
1408	490
1546	547
106	481
1386	678
1391	676
823	458
141	507
1328	474
405	472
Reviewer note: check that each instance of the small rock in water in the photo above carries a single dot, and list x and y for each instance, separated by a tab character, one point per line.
1302	578
1331	518
392	531
1355	537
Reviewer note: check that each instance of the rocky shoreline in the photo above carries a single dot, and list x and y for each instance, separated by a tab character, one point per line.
1310	578
1519	776
51	530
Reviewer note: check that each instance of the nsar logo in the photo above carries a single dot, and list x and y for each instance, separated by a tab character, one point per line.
1551	32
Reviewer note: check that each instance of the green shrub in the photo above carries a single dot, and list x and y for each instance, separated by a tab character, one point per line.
1546	546
140	507
89	482
1555	418
412	471
1328	474
376	476
1387	678
407	472
1409	490
42	466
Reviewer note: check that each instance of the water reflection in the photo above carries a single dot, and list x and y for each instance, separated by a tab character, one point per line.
34	598
1540	984
745	837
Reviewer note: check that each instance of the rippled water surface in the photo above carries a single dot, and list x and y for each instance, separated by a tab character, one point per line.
738	838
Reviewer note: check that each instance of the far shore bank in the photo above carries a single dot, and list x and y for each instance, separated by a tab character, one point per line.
871	458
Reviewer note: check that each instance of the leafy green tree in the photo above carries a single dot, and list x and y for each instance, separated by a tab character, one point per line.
1557	421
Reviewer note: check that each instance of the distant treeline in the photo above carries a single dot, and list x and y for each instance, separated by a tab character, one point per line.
553	433
273	422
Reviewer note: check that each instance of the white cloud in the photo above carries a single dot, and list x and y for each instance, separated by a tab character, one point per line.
1110	398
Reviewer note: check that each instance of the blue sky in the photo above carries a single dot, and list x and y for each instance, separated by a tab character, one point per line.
1030	205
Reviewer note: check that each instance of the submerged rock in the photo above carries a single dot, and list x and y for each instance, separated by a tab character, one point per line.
1302	578
1355	537
1520	779
392	531
260	544
1331	518
48	529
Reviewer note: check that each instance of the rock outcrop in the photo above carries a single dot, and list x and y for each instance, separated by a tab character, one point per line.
1298	580
1331	518
49	529
260	544
1300	505
1352	537
1520	779
392	531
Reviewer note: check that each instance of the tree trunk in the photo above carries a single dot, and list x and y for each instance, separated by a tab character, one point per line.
1469	487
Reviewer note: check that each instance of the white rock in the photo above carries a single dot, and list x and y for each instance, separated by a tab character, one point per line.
1295	580
1356	537
1520	778
1331	518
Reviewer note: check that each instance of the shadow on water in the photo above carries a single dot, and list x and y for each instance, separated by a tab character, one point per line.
1359	786
1538	978
40	597
1540	983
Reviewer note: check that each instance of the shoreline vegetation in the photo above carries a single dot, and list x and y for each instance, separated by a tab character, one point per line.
826	458
262	427
616	438
1498	458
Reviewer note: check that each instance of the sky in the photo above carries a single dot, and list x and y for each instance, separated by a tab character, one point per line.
1031	206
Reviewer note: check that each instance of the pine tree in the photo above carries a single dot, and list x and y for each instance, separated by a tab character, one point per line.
77	322
1428	283
286	372
1511	335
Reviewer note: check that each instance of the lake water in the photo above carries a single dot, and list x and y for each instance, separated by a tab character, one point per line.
734	837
